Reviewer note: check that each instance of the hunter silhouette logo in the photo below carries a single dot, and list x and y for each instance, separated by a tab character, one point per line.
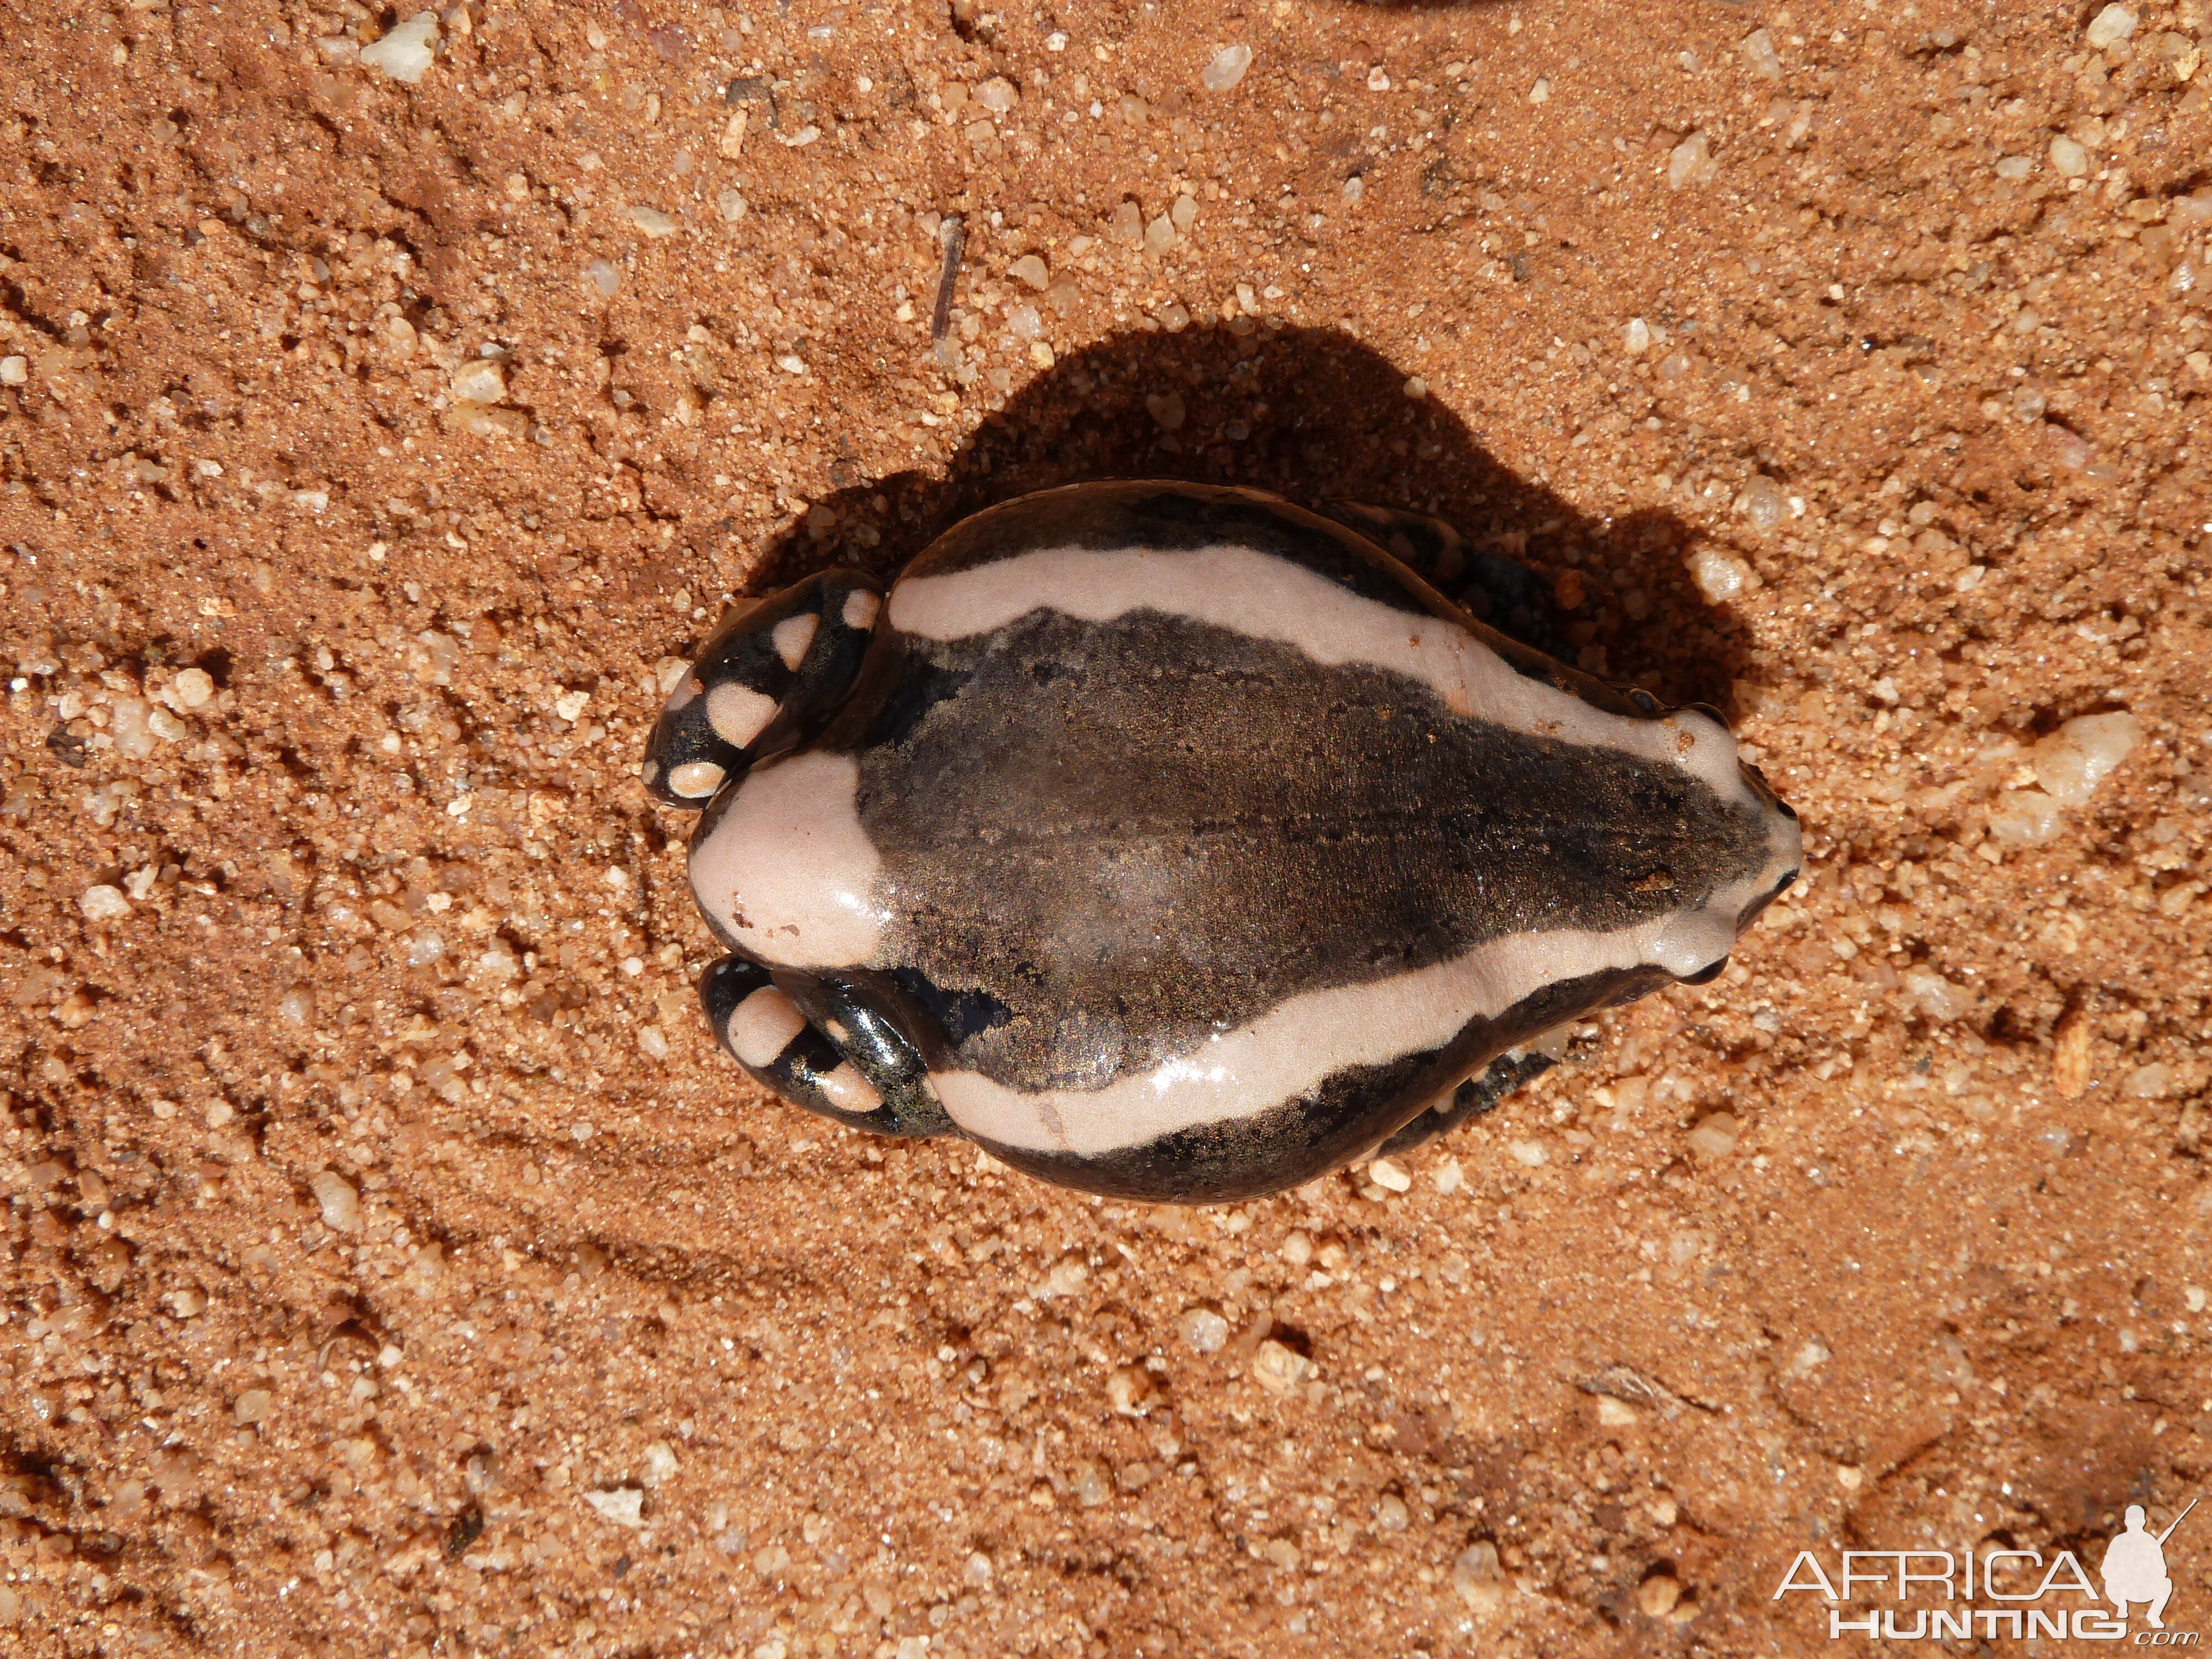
2020	1594
2135	1566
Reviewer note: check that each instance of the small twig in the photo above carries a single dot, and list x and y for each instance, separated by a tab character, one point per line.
954	232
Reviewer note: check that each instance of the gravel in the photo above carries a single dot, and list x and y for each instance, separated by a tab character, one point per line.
406	53
2109	28
1227	68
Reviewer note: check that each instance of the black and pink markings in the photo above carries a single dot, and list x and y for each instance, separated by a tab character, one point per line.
1178	843
772	674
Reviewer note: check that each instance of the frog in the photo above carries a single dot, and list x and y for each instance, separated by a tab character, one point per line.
1182	844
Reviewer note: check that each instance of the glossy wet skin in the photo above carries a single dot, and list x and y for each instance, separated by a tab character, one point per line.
1177	843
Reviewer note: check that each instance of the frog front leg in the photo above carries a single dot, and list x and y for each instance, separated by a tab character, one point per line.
1477	1095
824	1041
1493	588
769	679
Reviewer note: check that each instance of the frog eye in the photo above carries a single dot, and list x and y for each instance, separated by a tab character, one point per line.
1644	702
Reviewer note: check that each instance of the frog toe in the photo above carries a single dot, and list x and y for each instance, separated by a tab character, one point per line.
820	1048
1477	1095
769	679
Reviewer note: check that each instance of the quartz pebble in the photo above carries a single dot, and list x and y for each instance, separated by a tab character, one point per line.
1478	1578
1202	1330
2080	755
339	1203
2109	28
1031	270
604	276
1760	56
1132	1392
1656	1595
1719	576
997	95
1691	162
1227	68
14	370
1763	502
2068	157
1636	337
1938	999
407	50
104	903
193	688
2024	818
1385	1174
1277	1369
623	1505
251	1407
652	222
479	380
660	1465
1715	1136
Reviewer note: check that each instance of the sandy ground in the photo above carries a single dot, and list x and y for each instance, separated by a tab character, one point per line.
391	1266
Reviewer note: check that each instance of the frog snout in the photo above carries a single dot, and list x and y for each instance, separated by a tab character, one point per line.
1785	844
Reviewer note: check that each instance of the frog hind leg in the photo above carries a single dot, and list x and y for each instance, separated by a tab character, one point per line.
1493	588
822	1043
1478	1095
768	679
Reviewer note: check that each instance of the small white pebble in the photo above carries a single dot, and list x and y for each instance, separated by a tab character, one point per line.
2109	28
1385	1174
1378	80
1718	576
14	370
602	276
623	1505
1227	68
651	1043
479	380
2068	157
1447	1175
1691	162
997	95
1278	1369
659	1464
251	1407
632	966
339	1203
194	688
1417	388
104	903
407	52
2024	818
1202	1330
2080	755
570	705
1715	1136
1635	339
2014	166
1760	56
1541	93
652	221
1031	270
1763	502
1528	1153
